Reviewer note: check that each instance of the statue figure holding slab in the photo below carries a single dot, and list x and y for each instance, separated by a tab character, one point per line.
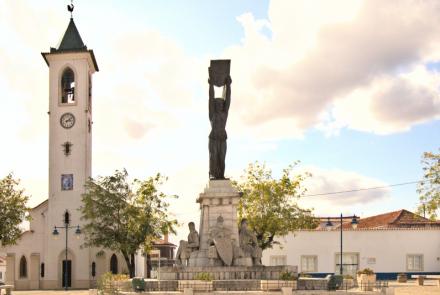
218	115
187	247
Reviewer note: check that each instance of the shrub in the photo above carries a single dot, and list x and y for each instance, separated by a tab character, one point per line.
109	283
305	275
204	276
287	276
365	271
335	282
348	277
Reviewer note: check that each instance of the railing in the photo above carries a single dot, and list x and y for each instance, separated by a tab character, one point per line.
241	285
161	286
370	286
323	284
231	275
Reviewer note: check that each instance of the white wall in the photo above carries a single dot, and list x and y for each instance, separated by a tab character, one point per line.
140	265
3	269
388	247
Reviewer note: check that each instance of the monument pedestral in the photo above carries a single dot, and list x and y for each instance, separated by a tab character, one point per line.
219	198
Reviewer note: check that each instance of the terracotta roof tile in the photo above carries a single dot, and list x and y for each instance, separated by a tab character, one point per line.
400	219
163	242
396	219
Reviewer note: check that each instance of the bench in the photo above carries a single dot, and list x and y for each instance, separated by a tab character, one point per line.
8	289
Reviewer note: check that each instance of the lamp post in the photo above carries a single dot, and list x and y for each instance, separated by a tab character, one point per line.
354	224
55	233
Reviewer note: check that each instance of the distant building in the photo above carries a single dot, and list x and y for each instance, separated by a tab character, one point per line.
390	243
166	250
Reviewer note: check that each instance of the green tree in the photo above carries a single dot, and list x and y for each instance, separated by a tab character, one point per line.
125	216
13	210
270	205
429	187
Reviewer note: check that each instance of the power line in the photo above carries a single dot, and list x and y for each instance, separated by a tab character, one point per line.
354	190
363	189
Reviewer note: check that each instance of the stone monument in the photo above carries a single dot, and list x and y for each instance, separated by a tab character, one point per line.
220	248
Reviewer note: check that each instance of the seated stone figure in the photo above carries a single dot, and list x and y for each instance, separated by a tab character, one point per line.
248	243
186	247
220	244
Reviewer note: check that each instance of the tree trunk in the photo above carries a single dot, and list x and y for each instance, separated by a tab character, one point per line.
132	268
129	260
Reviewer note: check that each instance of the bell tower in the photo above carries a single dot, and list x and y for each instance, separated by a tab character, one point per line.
71	67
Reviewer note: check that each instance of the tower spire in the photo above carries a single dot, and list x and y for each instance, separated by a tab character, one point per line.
70	8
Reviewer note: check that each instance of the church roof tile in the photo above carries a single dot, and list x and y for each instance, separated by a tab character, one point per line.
71	42
71	39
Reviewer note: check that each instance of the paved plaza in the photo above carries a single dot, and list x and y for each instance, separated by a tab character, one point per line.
44	292
409	288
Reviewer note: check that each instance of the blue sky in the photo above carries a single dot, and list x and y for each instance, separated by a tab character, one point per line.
349	88
201	27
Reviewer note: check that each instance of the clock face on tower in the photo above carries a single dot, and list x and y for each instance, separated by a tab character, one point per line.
67	120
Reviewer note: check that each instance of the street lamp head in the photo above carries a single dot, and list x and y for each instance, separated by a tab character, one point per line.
78	232
328	224
55	233
354	222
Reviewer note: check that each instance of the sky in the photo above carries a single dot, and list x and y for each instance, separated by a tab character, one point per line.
348	88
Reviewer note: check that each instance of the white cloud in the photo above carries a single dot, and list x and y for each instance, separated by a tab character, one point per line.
388	104
324	51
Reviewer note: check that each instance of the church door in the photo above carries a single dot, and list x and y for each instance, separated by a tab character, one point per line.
67	267
114	264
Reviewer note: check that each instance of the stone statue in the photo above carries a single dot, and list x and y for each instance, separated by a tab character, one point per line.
220	243
187	247
248	243
218	114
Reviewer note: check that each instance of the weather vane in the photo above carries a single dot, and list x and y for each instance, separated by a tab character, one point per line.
70	8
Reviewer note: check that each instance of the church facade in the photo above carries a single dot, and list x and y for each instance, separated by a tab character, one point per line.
50	254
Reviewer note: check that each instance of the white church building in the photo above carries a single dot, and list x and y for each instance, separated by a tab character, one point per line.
39	261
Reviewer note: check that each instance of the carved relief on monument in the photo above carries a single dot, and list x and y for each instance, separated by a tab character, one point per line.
220	244
248	243
224	250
